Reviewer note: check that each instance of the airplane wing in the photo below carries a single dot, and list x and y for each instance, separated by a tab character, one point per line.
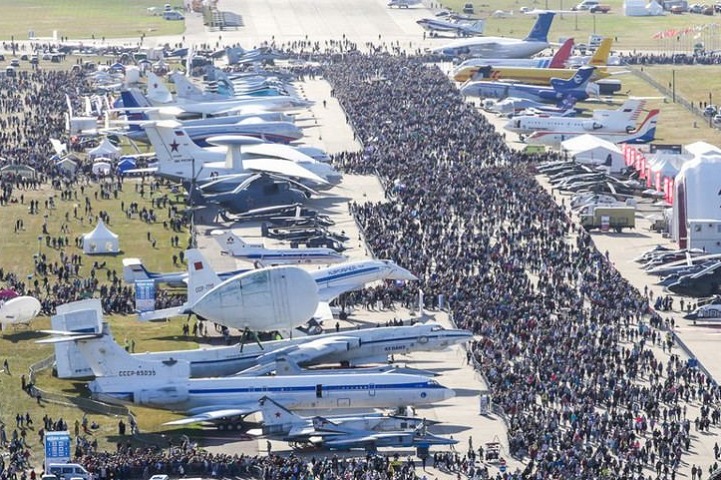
302	431
163	313
362	439
214	415
281	167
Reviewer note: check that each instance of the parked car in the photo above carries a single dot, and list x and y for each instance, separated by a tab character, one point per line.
600	9
677	9
468	9
710	111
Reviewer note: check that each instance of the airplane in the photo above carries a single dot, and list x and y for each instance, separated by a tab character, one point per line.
512	106
187	90
221	303
560	90
160	96
258	254
346	349
331	281
264	300
468	68
461	28
622	119
120	377
180	158
673	267
368	431
645	133
134	271
403	3
505	69
501	47
700	284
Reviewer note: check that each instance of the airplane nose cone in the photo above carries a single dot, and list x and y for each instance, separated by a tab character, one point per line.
400	273
275	298
448	393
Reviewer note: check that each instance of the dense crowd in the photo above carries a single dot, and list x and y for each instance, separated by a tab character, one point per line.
570	349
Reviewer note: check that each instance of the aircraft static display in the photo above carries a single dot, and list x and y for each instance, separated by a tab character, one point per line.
621	120
504	70
700	284
167	385
257	253
458	27
502	47
560	90
468	68
645	133
350	348
346	432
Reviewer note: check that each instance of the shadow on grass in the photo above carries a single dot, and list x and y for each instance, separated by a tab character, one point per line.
16	337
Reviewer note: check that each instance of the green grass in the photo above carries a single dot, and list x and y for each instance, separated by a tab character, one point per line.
632	33
81	19
16	254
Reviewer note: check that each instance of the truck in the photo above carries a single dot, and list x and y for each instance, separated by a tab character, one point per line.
608	218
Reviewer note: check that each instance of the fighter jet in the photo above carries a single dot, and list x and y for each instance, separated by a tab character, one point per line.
701	284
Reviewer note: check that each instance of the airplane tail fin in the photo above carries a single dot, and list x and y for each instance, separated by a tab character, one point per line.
183	87
562	55
477	27
157	91
276	414
600	56
646	132
579	80
228	241
539	32
201	276
132	99
173	147
114	368
134	270
234	54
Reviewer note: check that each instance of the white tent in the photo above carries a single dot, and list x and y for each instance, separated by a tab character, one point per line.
696	188
102	166
698	149
100	241
667	164
591	150
105	149
67	165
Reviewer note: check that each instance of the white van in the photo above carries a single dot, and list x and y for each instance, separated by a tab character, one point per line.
67	471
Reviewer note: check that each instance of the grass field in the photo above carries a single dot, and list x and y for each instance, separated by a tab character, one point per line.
83	19
18	347
631	33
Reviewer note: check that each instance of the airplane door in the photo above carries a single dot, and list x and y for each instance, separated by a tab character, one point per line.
372	389
319	391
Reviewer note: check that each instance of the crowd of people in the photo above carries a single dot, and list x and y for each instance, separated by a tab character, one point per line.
570	350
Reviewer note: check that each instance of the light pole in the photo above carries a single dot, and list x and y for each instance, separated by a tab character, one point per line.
40	243
673	86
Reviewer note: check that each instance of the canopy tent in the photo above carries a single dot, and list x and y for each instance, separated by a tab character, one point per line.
126	163
67	165
100	241
591	150
105	149
18	170
696	186
701	148
102	167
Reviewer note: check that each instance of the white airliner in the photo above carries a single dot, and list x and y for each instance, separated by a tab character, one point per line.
645	133
275	298
167	385
623	120
257	253
502	47
222	302
350	348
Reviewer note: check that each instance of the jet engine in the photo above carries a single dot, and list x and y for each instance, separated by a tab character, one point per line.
163	396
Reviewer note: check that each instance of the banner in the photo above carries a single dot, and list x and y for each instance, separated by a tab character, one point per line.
144	295
57	448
